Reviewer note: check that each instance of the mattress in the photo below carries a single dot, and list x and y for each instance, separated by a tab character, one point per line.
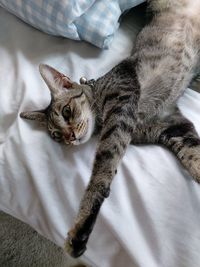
152	216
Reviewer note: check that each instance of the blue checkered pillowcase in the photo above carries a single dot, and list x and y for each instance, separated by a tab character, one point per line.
94	21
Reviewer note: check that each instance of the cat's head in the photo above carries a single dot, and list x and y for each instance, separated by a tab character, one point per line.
69	117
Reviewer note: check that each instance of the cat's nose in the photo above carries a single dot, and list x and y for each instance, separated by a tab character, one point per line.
70	136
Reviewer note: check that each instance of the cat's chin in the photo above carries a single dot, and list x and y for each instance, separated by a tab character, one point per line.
77	142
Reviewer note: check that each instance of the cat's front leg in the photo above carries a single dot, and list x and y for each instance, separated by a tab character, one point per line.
112	145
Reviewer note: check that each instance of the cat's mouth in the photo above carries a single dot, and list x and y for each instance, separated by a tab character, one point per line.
79	136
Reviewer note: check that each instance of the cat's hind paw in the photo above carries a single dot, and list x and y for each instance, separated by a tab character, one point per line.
195	169
191	161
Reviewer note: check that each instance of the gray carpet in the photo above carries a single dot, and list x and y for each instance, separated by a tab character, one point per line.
21	246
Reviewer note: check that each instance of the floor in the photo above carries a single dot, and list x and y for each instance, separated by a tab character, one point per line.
21	246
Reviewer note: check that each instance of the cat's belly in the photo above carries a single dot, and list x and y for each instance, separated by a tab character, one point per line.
192	9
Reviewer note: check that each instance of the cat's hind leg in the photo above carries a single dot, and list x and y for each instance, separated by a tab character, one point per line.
179	135
184	142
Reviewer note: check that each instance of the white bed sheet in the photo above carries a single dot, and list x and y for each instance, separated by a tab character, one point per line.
152	217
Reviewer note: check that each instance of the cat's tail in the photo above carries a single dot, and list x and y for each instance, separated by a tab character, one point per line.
162	5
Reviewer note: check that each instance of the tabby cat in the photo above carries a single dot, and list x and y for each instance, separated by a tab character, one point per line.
133	103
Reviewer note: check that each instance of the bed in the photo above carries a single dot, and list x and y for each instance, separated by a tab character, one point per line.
152	217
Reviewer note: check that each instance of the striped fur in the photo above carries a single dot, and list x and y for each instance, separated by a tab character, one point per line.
135	103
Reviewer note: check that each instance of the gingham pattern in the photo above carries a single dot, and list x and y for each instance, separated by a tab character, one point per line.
94	21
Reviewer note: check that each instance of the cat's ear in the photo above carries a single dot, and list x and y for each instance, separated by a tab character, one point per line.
38	115
55	80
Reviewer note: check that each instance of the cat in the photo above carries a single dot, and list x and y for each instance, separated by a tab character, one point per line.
134	103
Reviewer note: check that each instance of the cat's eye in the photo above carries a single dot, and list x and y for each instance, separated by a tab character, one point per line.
66	112
57	135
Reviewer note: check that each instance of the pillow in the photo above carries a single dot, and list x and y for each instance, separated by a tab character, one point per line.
94	21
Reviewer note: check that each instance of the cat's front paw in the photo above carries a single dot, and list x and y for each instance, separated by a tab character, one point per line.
75	244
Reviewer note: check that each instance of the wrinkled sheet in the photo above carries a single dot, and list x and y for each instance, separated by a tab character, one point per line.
152	217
